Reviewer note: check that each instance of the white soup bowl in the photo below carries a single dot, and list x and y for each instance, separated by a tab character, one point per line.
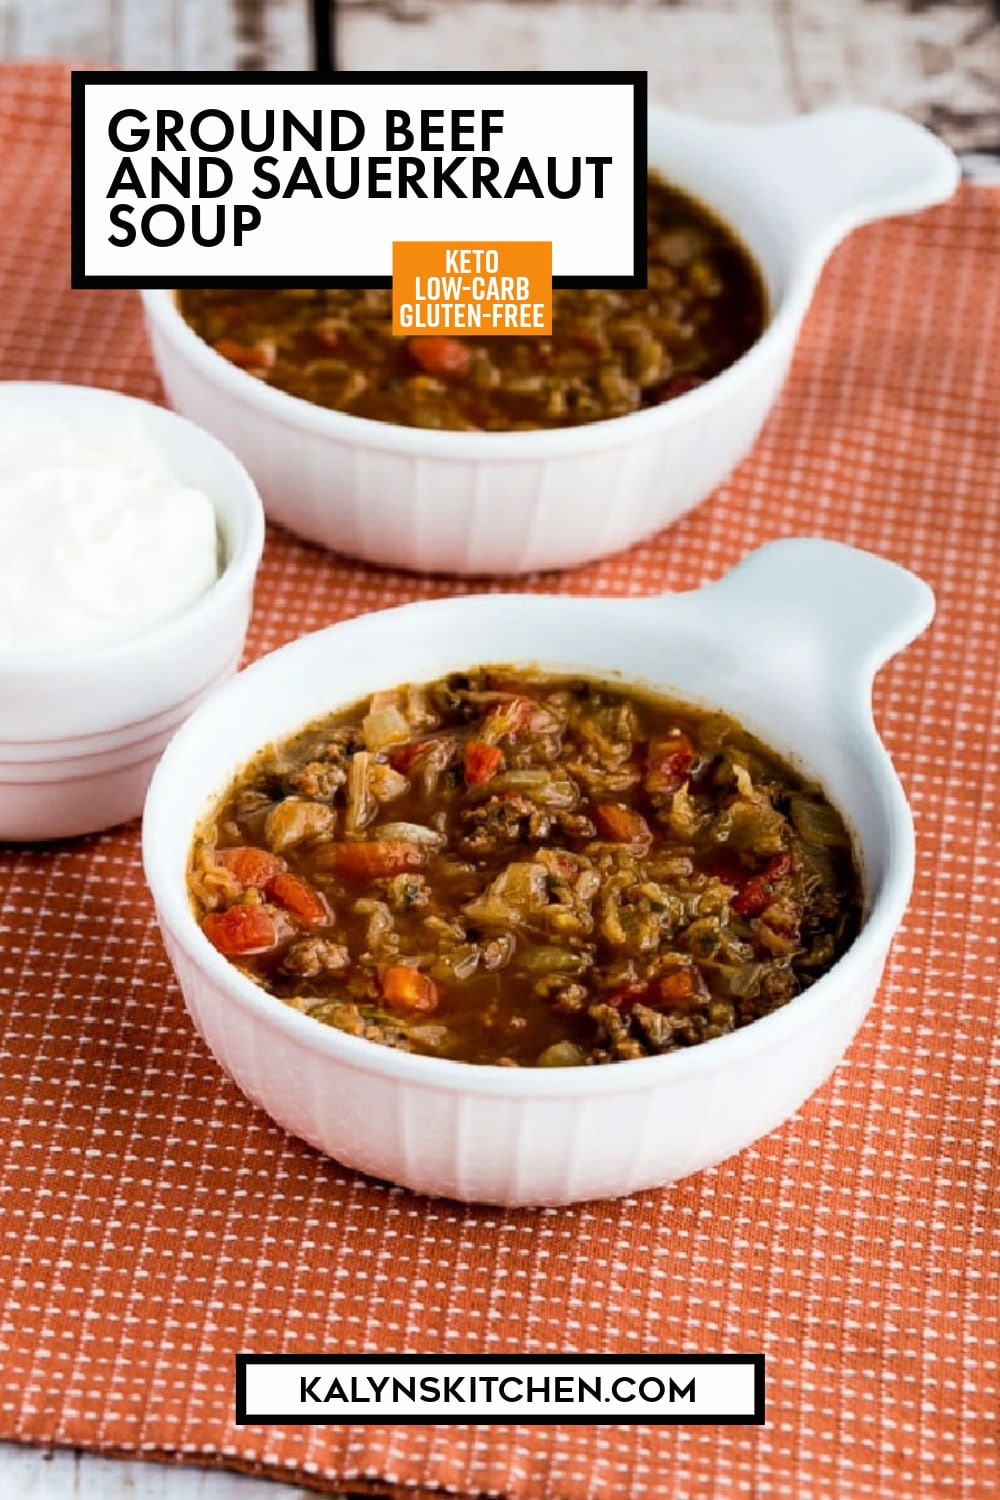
515	502
788	643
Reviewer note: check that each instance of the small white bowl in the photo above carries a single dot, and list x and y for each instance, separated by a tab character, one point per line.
788	643
508	503
81	730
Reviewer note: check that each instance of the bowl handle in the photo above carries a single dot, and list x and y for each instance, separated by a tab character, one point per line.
826	614
841	167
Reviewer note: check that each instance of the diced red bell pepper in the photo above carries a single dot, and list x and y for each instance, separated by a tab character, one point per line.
481	762
257	358
403	758
251	868
668	765
759	891
240	931
626	996
407	989
621	824
372	861
681	990
297	898
440	356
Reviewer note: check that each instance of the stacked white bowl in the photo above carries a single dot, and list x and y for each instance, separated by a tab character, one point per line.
81	729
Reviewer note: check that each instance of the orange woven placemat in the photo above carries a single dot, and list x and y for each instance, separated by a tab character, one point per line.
154	1223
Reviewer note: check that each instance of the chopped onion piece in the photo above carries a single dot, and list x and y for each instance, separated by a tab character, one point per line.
384	726
362	804
412	833
545	959
297	819
540	785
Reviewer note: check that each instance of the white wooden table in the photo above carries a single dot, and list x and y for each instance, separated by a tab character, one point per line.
29	1474
938	60
739	59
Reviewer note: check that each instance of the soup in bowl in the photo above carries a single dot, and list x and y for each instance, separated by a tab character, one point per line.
435	499
785	646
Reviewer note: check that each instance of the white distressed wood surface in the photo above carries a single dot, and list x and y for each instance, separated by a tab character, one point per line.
938	60
739	59
28	1474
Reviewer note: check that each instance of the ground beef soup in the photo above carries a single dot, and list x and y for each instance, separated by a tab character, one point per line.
523	870
611	352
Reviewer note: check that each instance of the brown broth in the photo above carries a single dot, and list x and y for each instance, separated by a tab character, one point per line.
503	867
611	352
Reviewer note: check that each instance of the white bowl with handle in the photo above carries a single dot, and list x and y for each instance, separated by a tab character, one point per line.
788	643
510	503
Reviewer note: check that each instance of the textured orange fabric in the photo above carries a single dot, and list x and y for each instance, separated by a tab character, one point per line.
154	1223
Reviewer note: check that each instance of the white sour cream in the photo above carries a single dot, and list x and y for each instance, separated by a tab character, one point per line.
98	539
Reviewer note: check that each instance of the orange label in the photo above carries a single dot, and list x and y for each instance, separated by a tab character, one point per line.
441	288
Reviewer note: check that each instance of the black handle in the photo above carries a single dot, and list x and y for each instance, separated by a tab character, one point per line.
324	35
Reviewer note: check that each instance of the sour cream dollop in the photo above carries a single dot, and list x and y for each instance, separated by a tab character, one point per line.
99	540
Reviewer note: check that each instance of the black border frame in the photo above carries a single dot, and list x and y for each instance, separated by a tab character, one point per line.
80	81
492	1419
